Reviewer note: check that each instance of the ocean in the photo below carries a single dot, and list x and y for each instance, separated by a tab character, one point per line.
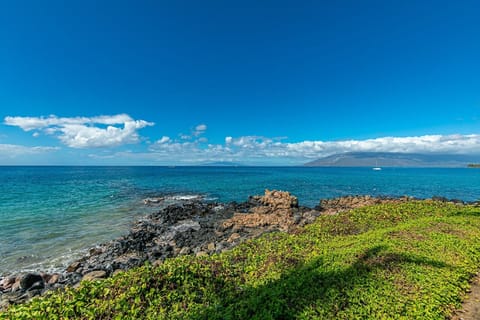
51	215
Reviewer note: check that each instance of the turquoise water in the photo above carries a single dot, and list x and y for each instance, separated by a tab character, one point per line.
51	215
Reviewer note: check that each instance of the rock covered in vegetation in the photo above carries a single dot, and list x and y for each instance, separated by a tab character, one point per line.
336	205
94	275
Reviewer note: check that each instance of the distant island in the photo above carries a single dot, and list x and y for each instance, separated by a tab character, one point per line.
396	159
222	164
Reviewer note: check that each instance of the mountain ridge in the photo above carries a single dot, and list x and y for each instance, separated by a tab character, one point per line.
395	159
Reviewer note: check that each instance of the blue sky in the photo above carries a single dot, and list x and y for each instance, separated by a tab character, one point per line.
255	82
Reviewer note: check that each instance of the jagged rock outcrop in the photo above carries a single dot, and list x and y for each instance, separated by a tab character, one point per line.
275	210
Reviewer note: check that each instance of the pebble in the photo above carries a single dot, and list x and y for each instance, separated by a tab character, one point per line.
184	251
211	246
234	236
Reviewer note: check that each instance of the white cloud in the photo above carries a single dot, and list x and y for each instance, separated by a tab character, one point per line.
164	139
199	130
194	133
184	136
8	151
84	132
31	123
274	150
458	144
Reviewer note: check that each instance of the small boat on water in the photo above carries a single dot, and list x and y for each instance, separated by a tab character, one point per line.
376	168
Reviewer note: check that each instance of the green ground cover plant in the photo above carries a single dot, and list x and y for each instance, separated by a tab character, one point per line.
409	260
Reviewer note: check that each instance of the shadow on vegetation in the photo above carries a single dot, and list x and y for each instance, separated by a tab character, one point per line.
471	213
310	285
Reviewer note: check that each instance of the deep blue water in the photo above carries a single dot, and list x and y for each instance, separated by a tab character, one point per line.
50	215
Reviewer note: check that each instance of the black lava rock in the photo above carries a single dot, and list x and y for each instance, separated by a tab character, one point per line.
31	279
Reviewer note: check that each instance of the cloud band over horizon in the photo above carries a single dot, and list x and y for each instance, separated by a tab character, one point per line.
254	148
107	132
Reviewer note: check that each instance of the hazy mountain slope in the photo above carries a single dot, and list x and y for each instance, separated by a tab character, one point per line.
389	159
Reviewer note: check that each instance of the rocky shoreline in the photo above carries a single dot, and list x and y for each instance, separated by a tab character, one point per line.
190	226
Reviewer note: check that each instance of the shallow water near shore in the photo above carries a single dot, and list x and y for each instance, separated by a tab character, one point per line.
52	215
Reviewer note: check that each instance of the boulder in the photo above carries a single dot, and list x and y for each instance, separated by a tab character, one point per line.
15	297
149	201
53	278
72	278
31	279
274	210
95	251
234	236
34	292
16	284
279	199
74	266
7	283
4	304
37	286
95	275
211	246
